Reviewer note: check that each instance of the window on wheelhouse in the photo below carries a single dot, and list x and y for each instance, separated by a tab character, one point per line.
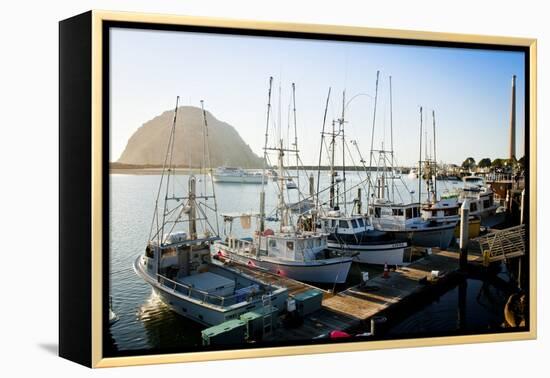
354	223
290	245
361	223
408	213
377	212
343	224
473	207
397	212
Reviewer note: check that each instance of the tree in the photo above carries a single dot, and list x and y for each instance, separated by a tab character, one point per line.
469	164
521	162
498	163
484	163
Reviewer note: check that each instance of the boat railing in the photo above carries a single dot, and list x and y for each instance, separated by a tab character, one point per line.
204	296
241	245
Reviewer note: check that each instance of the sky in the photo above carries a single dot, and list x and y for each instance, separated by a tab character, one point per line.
469	90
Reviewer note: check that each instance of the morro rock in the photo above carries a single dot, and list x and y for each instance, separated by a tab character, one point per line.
147	146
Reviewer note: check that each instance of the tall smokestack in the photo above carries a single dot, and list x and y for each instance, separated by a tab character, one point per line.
513	120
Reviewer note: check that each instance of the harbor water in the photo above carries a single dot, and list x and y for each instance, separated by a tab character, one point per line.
146	323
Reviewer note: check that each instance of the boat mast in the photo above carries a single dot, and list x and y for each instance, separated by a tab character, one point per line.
420	162
372	134
262	193
343	151
192	215
209	163
295	136
332	172
282	179
168	166
391	145
435	160
321	147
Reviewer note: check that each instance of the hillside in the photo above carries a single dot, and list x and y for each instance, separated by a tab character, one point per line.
147	146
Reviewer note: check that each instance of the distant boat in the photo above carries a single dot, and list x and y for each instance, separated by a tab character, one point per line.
480	197
413	174
237	175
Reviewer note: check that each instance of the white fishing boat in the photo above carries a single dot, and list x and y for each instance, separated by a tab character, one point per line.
481	198
178	264
237	176
352	231
404	220
290	251
356	233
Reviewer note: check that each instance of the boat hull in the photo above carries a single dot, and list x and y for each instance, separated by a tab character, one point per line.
333	270
439	236
378	254
238	179
198	311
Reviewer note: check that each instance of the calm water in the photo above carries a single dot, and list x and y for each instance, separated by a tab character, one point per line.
146	323
471	306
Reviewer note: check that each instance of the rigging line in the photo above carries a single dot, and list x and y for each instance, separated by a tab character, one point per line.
168	149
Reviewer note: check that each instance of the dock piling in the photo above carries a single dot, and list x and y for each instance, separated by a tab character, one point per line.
464	215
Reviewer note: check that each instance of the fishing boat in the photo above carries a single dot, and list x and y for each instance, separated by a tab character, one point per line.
237	176
290	250
352	231
356	233
404	220
481	199
177	263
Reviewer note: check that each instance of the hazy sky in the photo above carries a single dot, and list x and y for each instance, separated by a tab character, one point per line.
468	89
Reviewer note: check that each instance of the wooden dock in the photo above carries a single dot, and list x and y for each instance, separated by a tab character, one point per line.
382	295
362	302
348	309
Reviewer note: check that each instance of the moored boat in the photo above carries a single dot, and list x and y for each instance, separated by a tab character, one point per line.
178	264
290	250
237	176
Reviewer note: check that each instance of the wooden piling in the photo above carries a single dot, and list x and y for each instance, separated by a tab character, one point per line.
464	234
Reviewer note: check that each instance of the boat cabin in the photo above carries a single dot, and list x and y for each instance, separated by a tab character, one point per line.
293	247
333	222
391	216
